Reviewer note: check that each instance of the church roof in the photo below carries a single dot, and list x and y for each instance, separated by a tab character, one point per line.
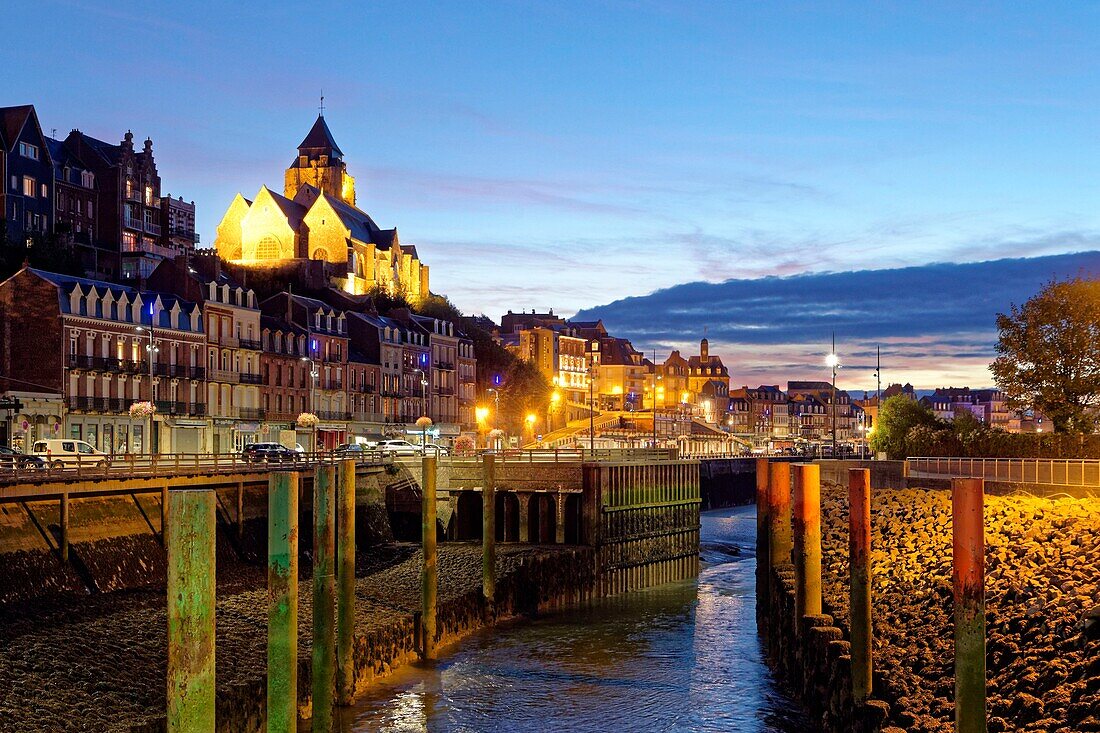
294	211
319	140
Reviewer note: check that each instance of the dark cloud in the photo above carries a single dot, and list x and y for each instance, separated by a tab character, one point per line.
921	315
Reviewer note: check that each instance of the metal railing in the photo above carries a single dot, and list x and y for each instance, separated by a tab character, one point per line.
1050	471
79	467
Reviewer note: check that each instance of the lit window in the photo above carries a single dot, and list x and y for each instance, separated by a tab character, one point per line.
45	191
28	186
148	195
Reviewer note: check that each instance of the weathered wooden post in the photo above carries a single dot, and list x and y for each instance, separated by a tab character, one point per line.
429	578
324	595
164	515
488	528
859	564
968	550
345	606
63	522
779	513
763	549
282	598
191	597
807	541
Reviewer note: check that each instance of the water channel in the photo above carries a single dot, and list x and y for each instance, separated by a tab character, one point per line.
682	657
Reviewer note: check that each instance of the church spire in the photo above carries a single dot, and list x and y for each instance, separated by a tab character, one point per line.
319	140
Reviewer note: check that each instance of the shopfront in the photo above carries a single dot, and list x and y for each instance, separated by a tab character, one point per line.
113	435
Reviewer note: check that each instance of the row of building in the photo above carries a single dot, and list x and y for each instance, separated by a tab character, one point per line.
156	319
223	368
104	199
588	366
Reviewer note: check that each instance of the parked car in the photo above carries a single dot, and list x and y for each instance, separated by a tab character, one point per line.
432	449
11	459
63	452
399	448
270	452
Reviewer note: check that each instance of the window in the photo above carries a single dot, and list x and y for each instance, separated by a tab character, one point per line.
87	179
28	186
28	151
89	209
129	188
45	191
129	242
148	195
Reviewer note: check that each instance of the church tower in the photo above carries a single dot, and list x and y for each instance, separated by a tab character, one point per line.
320	163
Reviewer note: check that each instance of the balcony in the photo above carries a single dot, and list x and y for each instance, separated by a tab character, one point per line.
180	233
368	417
251	413
250	344
447	366
227	376
193	409
151	228
251	378
198	372
333	416
331	385
133	194
95	363
133	223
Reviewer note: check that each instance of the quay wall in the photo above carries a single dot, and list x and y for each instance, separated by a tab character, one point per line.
1042	610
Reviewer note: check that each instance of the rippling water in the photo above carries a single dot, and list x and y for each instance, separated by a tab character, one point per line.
682	657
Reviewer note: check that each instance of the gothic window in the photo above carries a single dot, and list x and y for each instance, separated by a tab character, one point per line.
319	254
268	248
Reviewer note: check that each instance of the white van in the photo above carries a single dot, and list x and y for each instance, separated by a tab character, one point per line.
62	452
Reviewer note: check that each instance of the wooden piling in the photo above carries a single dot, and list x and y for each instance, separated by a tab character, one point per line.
488	529
968	550
859	562
191	599
282	595
63	522
429	578
324	596
240	510
763	551
164	515
779	513
806	505
345	606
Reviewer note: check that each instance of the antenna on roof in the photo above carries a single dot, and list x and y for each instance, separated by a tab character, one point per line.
321	111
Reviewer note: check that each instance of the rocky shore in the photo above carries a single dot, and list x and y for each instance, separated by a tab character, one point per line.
1042	580
99	663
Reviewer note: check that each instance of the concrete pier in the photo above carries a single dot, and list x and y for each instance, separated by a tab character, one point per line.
488	529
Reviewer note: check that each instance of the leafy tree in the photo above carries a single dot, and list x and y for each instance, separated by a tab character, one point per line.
898	415
51	252
1049	354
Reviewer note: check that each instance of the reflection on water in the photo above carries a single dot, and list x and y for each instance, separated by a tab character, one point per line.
682	657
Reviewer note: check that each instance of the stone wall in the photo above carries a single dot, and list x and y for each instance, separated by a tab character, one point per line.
814	658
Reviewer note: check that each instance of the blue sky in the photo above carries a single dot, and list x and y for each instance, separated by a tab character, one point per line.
572	154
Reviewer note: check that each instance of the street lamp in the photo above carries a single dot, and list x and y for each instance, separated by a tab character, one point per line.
551	408
531	424
152	350
833	362
423	391
313	374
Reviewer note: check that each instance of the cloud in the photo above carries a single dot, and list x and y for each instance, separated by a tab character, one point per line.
935	319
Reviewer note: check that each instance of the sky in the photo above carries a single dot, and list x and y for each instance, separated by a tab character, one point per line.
572	154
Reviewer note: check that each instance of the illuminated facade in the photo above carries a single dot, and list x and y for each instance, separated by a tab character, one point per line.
316	218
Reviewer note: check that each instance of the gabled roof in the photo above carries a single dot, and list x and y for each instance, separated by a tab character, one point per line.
106	151
319	141
294	211
358	222
12	120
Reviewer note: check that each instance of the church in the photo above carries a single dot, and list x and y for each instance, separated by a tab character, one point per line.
316	218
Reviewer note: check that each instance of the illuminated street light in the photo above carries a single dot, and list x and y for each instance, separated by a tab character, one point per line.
833	362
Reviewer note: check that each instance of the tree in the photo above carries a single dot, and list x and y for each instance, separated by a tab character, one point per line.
1049	354
897	416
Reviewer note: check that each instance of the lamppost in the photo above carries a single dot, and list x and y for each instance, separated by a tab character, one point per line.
531	424
833	362
152	351
313	374
423	392
591	408
551	408
656	377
